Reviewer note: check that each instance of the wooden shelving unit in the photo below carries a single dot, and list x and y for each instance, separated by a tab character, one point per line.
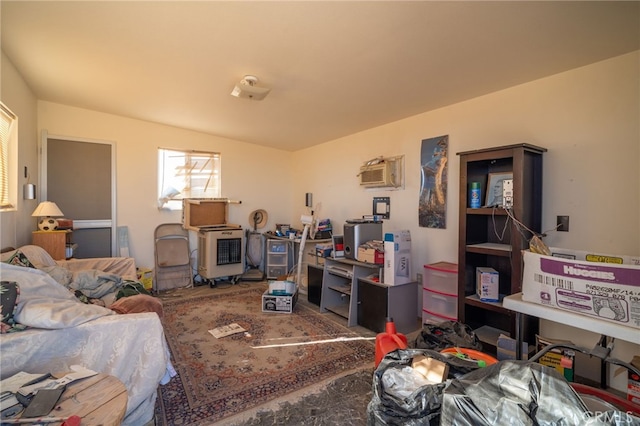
489	237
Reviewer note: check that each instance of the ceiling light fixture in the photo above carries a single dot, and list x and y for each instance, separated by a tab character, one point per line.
247	89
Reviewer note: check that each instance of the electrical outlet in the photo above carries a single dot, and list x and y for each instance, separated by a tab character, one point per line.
563	223
419	278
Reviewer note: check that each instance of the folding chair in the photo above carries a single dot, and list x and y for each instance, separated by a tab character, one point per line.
172	257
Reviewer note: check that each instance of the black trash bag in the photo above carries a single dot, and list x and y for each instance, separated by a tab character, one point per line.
513	393
422	405
446	334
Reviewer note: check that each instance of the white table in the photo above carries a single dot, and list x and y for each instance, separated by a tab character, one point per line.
515	303
585	322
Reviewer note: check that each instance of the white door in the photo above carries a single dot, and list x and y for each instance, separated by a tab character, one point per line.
79	176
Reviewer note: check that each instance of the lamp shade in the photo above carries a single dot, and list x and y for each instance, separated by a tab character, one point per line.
47	208
44	211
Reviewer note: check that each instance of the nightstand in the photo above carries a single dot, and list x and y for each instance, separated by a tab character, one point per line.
54	242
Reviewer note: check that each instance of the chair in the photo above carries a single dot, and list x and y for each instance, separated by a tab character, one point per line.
172	257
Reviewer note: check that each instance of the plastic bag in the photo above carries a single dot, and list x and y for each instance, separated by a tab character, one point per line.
390	406
515	393
446	334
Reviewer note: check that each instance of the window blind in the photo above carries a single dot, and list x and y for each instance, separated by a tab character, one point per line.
7	120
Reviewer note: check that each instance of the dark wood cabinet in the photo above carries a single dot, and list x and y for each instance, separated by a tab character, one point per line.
495	236
314	283
377	302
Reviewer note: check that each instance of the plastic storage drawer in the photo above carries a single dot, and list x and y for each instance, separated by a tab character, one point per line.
428	318
440	304
277	259
276	246
441	277
276	271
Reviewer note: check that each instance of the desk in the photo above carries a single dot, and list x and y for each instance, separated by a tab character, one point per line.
584	322
98	400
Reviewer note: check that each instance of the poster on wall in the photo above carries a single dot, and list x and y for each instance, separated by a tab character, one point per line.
432	206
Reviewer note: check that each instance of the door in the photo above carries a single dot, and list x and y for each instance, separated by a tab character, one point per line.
79	176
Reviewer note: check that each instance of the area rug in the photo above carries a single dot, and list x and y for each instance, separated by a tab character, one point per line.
279	353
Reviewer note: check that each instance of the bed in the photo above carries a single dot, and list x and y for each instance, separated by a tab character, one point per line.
62	331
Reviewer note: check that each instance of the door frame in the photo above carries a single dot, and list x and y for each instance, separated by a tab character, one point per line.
82	224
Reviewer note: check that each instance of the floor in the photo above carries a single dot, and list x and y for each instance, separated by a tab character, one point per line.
342	401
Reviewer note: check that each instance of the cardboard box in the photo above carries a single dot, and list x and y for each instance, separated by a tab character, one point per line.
633	386
324	250
507	348
560	359
397	257
280	304
487	284
370	255
602	286
198	213
431	369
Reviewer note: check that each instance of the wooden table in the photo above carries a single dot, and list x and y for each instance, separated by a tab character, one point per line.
98	400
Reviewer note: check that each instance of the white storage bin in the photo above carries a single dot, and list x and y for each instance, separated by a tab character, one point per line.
428	318
440	304
441	277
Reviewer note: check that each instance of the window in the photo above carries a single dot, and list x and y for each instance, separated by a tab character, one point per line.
8	158
187	174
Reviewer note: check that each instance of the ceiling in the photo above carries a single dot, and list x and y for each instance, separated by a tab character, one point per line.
334	67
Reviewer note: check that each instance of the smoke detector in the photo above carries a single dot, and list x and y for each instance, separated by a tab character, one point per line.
247	88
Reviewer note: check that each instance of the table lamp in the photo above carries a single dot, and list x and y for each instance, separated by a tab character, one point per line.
45	211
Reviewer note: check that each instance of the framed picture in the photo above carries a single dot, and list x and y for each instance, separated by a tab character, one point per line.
494	188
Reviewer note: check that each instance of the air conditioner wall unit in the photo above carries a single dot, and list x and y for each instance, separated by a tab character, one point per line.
386	173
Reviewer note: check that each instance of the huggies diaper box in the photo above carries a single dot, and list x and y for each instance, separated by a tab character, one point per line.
602	286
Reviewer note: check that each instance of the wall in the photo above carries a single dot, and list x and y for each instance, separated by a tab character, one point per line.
16	226
251	174
587	118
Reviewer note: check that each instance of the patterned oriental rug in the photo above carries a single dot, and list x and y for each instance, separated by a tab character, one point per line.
278	354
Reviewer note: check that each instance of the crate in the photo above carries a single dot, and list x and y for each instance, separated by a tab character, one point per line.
441	277
279	304
198	213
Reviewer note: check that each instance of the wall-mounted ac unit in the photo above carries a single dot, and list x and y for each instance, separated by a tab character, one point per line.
386	172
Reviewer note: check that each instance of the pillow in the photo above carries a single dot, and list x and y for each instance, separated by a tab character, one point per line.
138	303
19	259
9	295
37	256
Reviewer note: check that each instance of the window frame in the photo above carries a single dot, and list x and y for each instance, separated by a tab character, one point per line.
8	160
180	176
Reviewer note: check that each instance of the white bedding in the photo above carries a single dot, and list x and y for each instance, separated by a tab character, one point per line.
130	347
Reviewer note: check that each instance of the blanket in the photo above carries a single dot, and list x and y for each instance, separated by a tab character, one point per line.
44	303
91	282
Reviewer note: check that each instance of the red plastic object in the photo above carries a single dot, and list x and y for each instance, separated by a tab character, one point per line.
72	421
620	403
389	341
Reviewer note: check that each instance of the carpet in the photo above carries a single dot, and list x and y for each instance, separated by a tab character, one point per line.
278	354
